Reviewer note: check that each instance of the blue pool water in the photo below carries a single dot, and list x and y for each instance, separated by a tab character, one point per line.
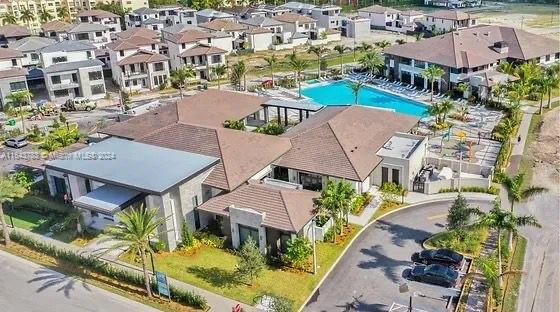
339	93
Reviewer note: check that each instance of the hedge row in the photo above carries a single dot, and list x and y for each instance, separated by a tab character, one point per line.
99	266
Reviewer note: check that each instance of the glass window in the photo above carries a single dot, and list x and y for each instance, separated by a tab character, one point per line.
97	89
60	93
34	56
216	59
121	53
18	85
98	34
55	79
96	75
88	53
14	62
59	59
384	175
396	176
158	66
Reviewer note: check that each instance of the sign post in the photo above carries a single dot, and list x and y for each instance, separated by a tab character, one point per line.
163	286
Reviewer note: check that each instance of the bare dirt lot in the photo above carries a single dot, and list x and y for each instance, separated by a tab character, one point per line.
545	149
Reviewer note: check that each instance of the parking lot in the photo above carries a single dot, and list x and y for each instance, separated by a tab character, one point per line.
369	275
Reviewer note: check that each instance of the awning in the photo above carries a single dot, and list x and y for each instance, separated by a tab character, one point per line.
301	105
107	199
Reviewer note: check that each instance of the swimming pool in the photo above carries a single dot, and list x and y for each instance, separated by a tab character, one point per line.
339	93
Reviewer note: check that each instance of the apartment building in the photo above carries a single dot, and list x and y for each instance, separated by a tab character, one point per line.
327	16
467	53
137	65
97	34
12	74
70	69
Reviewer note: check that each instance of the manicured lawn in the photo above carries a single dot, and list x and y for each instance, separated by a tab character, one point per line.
27	220
213	269
513	282
471	244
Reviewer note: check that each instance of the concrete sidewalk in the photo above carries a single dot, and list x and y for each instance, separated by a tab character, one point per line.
413	197
215	302
518	148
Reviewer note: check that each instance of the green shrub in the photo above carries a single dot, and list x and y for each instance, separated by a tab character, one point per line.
321	220
158	246
287	82
234	124
271	128
473	189
40	204
96	265
360	202
392	192
209	239
187	236
298	252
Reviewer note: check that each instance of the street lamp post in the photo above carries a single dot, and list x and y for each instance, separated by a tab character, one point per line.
314	246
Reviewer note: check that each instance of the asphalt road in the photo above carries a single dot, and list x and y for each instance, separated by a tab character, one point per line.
540	287
371	271
28	287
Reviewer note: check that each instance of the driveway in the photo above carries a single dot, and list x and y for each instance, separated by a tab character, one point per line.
371	271
26	286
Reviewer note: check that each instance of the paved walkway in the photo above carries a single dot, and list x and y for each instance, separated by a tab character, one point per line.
368	212
414	197
476	299
215	301
519	147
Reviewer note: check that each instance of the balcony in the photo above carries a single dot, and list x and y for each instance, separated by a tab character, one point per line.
138	74
65	84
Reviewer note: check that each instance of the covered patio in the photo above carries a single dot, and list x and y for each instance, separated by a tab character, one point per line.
286	110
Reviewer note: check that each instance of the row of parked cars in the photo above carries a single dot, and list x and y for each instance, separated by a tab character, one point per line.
438	266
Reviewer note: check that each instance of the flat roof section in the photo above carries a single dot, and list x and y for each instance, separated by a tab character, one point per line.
142	167
107	199
400	146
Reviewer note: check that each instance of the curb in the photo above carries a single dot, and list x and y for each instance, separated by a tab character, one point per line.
362	230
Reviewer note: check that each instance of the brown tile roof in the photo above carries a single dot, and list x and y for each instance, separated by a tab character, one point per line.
137	31
56	26
290	17
243	154
202	50
222	25
284	209
11	30
343	141
131	43
453	15
190	35
258	30
142	56
377	9
144	124
7	53
473	47
13	72
97	13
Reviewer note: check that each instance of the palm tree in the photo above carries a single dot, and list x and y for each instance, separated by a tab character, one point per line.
518	91
135	228
507	68
319	52
502	220
341	49
74	218
462	88
516	190
63	13
499	91
271	62
446	106
527	72
219	70
180	77
299	66
8	18
372	61
27	16
239	74
19	99
364	47
382	44
356	87
418	36
9	190
432	73
335	201
436	111
551	81
44	15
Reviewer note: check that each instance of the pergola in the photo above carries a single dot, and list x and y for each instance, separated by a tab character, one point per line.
304	108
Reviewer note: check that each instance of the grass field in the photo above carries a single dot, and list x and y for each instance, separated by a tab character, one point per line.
214	269
513	282
27	220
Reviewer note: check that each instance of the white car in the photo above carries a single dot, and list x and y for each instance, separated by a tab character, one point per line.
17	142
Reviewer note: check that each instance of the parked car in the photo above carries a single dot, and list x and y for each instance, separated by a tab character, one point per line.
16	142
436	274
79	104
443	256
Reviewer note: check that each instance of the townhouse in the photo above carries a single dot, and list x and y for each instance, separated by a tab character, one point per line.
208	15
391	19
12	74
239	180
197	49
141	16
71	70
327	16
176	14
468	55
447	20
298	25
30	47
233	29
137	65
96	34
57	30
298	7
111	20
10	33
355	27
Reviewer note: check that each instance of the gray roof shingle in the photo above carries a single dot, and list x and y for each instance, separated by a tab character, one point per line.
72	66
69	46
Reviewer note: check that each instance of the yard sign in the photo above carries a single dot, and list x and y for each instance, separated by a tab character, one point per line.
163	286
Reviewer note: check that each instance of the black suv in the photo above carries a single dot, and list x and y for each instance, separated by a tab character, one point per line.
443	256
